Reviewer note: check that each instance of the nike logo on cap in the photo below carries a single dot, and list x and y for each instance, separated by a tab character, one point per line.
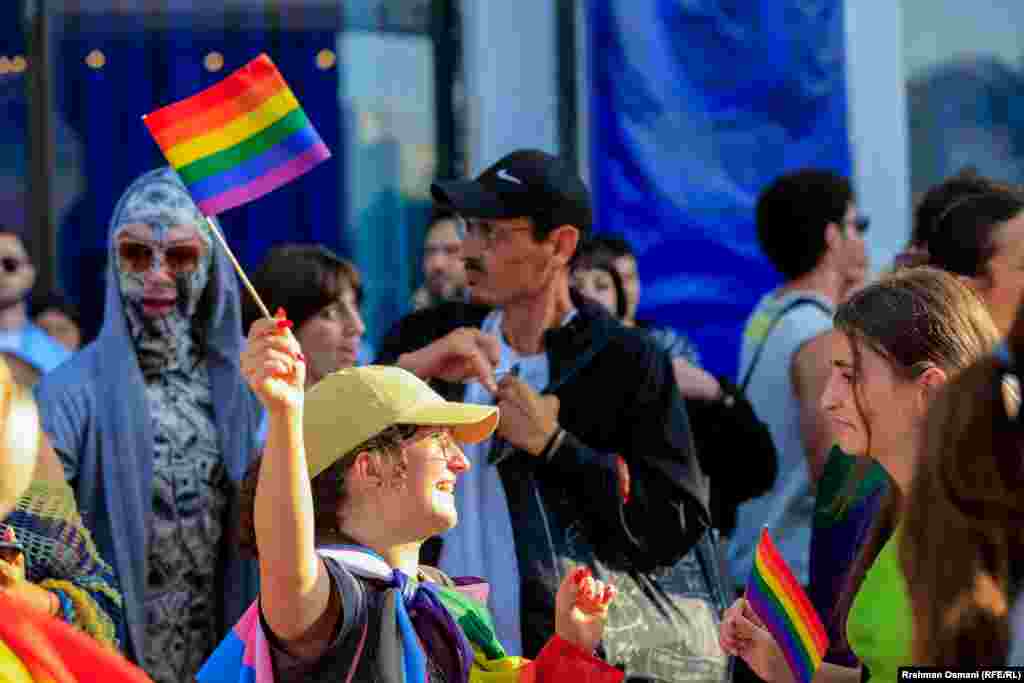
505	175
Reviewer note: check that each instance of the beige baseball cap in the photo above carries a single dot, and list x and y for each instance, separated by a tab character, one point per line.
347	407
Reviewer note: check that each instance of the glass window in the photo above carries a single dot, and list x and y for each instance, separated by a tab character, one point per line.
963	64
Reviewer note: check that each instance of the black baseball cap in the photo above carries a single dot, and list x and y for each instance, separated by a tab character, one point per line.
526	183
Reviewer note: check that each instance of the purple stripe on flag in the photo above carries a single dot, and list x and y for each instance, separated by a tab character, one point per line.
275	178
779	626
251	169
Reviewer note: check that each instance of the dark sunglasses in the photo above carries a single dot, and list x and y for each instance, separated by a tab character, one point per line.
139	258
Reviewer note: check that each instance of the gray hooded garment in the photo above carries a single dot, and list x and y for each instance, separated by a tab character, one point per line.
94	410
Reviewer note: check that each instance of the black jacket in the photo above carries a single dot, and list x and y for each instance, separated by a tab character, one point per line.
617	395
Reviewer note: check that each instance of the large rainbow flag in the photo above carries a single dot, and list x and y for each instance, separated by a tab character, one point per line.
239	139
777	598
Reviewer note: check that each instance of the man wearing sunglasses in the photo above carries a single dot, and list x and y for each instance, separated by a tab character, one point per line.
155	427
20	339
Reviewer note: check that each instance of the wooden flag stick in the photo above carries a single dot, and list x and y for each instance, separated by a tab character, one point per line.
238	267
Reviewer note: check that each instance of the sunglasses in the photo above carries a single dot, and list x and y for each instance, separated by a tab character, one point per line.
10	264
136	257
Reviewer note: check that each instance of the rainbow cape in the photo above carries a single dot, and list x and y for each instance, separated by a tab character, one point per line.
777	598
238	139
244	656
36	648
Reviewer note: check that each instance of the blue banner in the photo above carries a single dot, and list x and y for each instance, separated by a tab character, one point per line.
695	107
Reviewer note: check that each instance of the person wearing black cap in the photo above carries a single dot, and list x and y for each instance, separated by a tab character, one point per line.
575	389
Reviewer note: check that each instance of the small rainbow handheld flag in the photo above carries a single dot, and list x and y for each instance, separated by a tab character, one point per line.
777	598
239	139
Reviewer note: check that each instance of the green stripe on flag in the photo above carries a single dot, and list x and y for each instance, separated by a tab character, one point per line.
780	611
245	150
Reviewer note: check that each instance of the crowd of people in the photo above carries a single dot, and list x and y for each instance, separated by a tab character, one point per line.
526	480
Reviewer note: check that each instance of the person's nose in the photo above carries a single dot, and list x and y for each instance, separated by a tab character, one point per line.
158	272
832	396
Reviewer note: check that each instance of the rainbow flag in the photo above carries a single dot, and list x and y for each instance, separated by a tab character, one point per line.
239	139
777	598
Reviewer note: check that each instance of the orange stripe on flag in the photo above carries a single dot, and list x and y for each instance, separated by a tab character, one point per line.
203	122
238	83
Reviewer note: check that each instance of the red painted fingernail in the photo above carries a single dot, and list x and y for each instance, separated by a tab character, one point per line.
578	575
284	324
625	499
299	357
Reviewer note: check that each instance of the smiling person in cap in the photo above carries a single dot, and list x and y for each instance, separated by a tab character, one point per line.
355	475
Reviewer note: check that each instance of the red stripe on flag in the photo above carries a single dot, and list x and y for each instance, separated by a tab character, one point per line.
216	117
236	85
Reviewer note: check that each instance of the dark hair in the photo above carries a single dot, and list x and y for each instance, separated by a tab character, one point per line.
328	488
54	300
916	319
938	197
302	279
962	543
962	239
440	213
594	255
792	214
614	242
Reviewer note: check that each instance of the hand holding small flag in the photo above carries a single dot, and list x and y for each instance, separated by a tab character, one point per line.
774	627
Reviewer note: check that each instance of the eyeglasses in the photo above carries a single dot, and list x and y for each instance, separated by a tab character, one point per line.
10	264
137	257
484	230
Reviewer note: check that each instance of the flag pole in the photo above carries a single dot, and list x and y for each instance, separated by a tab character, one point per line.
238	267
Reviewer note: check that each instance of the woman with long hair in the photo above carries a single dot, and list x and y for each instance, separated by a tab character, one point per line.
963	541
896	342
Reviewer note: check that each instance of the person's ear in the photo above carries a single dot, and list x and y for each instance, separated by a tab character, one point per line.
566	239
364	471
929	383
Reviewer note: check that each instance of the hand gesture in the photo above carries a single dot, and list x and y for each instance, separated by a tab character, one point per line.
273	365
463	354
742	634
528	420
581	608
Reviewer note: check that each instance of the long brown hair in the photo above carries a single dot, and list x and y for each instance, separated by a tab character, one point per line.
962	539
916	319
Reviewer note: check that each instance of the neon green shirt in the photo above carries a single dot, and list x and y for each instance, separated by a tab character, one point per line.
880	621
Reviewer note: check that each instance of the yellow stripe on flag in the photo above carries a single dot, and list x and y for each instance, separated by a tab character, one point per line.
230	134
794	614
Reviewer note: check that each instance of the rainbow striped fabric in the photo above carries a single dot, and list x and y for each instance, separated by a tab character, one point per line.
777	598
36	648
239	139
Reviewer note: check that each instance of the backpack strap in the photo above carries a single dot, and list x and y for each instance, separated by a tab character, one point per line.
795	303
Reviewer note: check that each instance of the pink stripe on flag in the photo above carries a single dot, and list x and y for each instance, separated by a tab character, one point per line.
245	630
269	181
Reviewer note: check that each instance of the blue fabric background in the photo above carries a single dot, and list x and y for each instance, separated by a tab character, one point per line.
695	106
